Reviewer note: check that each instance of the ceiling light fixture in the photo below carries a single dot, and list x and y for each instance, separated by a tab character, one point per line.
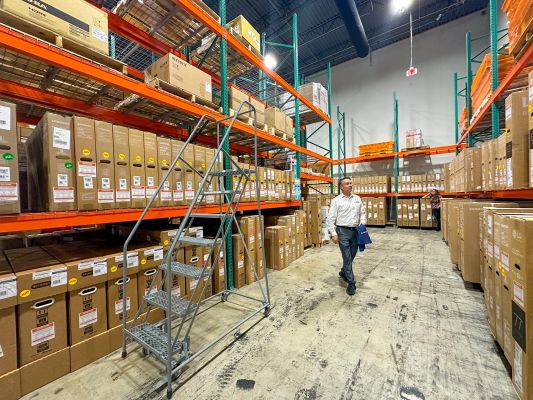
399	6
271	61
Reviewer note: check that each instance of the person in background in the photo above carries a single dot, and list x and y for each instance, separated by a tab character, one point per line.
346	213
435	197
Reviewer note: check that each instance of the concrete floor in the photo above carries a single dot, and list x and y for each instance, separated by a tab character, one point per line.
412	331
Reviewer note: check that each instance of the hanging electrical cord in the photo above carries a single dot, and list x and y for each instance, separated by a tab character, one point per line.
411	36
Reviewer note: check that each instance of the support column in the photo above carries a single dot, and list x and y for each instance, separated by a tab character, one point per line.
330	127
494	65
297	184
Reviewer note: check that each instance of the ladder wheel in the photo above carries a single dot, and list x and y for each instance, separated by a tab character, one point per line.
145	352
124	354
267	311
224	297
169	394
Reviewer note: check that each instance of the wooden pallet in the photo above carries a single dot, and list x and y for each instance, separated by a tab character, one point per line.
38	32
248	119
167	87
374	153
245	43
522	44
416	148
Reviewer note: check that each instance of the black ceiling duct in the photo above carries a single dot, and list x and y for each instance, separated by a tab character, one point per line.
350	16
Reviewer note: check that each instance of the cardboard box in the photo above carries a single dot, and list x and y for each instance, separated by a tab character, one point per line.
213	186
259	111
219	275
105	165
275	239
39	275
8	284
121	151
151	166
236	97
194	255
161	236
9	160
90	350
189	177
530	107
239	271
178	282
87	313
8	340
179	73
137	168
10	384
145	279
200	165
245	30
115	261
85	162
42	328
45	370
178	194
517	140
50	152
76	20
275	118
115	295
150	257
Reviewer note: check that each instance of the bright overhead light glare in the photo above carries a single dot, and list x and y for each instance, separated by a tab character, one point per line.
270	61
401	5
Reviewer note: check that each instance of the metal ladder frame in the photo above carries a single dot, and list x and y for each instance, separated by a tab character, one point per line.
232	203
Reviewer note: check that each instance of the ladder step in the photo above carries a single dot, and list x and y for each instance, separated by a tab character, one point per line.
231	172
199	241
154	339
189	271
159	298
213	216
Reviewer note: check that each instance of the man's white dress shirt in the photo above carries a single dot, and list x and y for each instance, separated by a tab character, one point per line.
345	211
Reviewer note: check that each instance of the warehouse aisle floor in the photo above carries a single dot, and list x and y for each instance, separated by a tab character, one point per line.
412	331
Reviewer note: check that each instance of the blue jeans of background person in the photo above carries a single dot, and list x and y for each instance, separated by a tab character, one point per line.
348	245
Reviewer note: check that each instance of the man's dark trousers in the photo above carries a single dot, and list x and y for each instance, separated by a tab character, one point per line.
348	245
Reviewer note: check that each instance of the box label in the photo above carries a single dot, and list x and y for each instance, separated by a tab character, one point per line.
59	277
138	192
99	34
517	368
8	288
505	261
123	195
8	192
88	317
518	291
176	291
106	196
136	181
122	184
87	182
61	138
87	169
62	180
83	265
5	174
119	305
63	194
133	259
100	268
5	118
43	334
106	183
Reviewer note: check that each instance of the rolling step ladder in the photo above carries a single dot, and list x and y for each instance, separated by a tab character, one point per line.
169	340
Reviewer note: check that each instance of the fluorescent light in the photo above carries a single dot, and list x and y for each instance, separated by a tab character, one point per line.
271	61
401	5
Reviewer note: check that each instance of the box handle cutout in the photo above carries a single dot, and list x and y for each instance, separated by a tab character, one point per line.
43	304
150	272
121	281
88	291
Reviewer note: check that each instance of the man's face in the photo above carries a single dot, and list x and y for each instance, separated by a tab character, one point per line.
346	186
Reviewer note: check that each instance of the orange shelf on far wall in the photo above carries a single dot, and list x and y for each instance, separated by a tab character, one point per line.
311	177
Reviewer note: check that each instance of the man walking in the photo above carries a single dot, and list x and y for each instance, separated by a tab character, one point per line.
346	213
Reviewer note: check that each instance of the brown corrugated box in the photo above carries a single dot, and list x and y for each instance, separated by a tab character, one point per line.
181	74
75	19
259	109
50	152
239	271
201	166
275	118
8	284
189	177
8	340
88	351
10	384
38	274
121	151
236	97
105	165
517	140
85	162
530	126
115	293
9	160
194	255
144	284
42	328
178	281
275	240
137	168
41	372
151	166
177	176
219	275
87	313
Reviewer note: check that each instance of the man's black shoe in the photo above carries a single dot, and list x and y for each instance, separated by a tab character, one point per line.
351	289
343	276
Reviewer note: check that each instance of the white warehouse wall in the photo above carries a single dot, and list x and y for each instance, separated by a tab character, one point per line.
363	88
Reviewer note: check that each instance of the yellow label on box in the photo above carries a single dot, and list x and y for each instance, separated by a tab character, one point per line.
25	293
72	281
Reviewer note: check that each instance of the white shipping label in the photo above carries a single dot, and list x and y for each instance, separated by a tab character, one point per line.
240	264
63	194
150	192
496	252
166	185
8	192
59	277
150	181
88	317
106	183
43	334
221	271
99	34
133	259
123	195
122	184
508	112
531	94
208	87
509	173
176	291
166	195
61	138
1	351
41	275
83	265
106	196
8	288
518	291
5	118
138	192
100	268
177	195
5	174
505	261
87	169
193	284
87	182
119	305
62	180
136	180
517	370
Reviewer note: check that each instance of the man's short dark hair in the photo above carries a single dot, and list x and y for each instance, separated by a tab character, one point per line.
340	182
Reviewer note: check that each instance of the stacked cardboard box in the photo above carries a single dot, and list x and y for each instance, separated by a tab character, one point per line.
9	160
376	210
420	183
408	212
312	91
413	139
371	184
426	215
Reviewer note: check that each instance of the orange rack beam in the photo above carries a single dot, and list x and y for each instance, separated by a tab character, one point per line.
311	177
401	154
49	220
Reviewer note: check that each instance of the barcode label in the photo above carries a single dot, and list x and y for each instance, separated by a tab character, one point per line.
100	267
176	291
106	183
150	181
119	305
63	194
41	275
9	192
8	288
157	252
99	34
87	169
106	196
59	277
87	182
5	174
518	293
83	265
5	118
123	184
133	259
61	138
43	334
62	180
88	317
136	181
